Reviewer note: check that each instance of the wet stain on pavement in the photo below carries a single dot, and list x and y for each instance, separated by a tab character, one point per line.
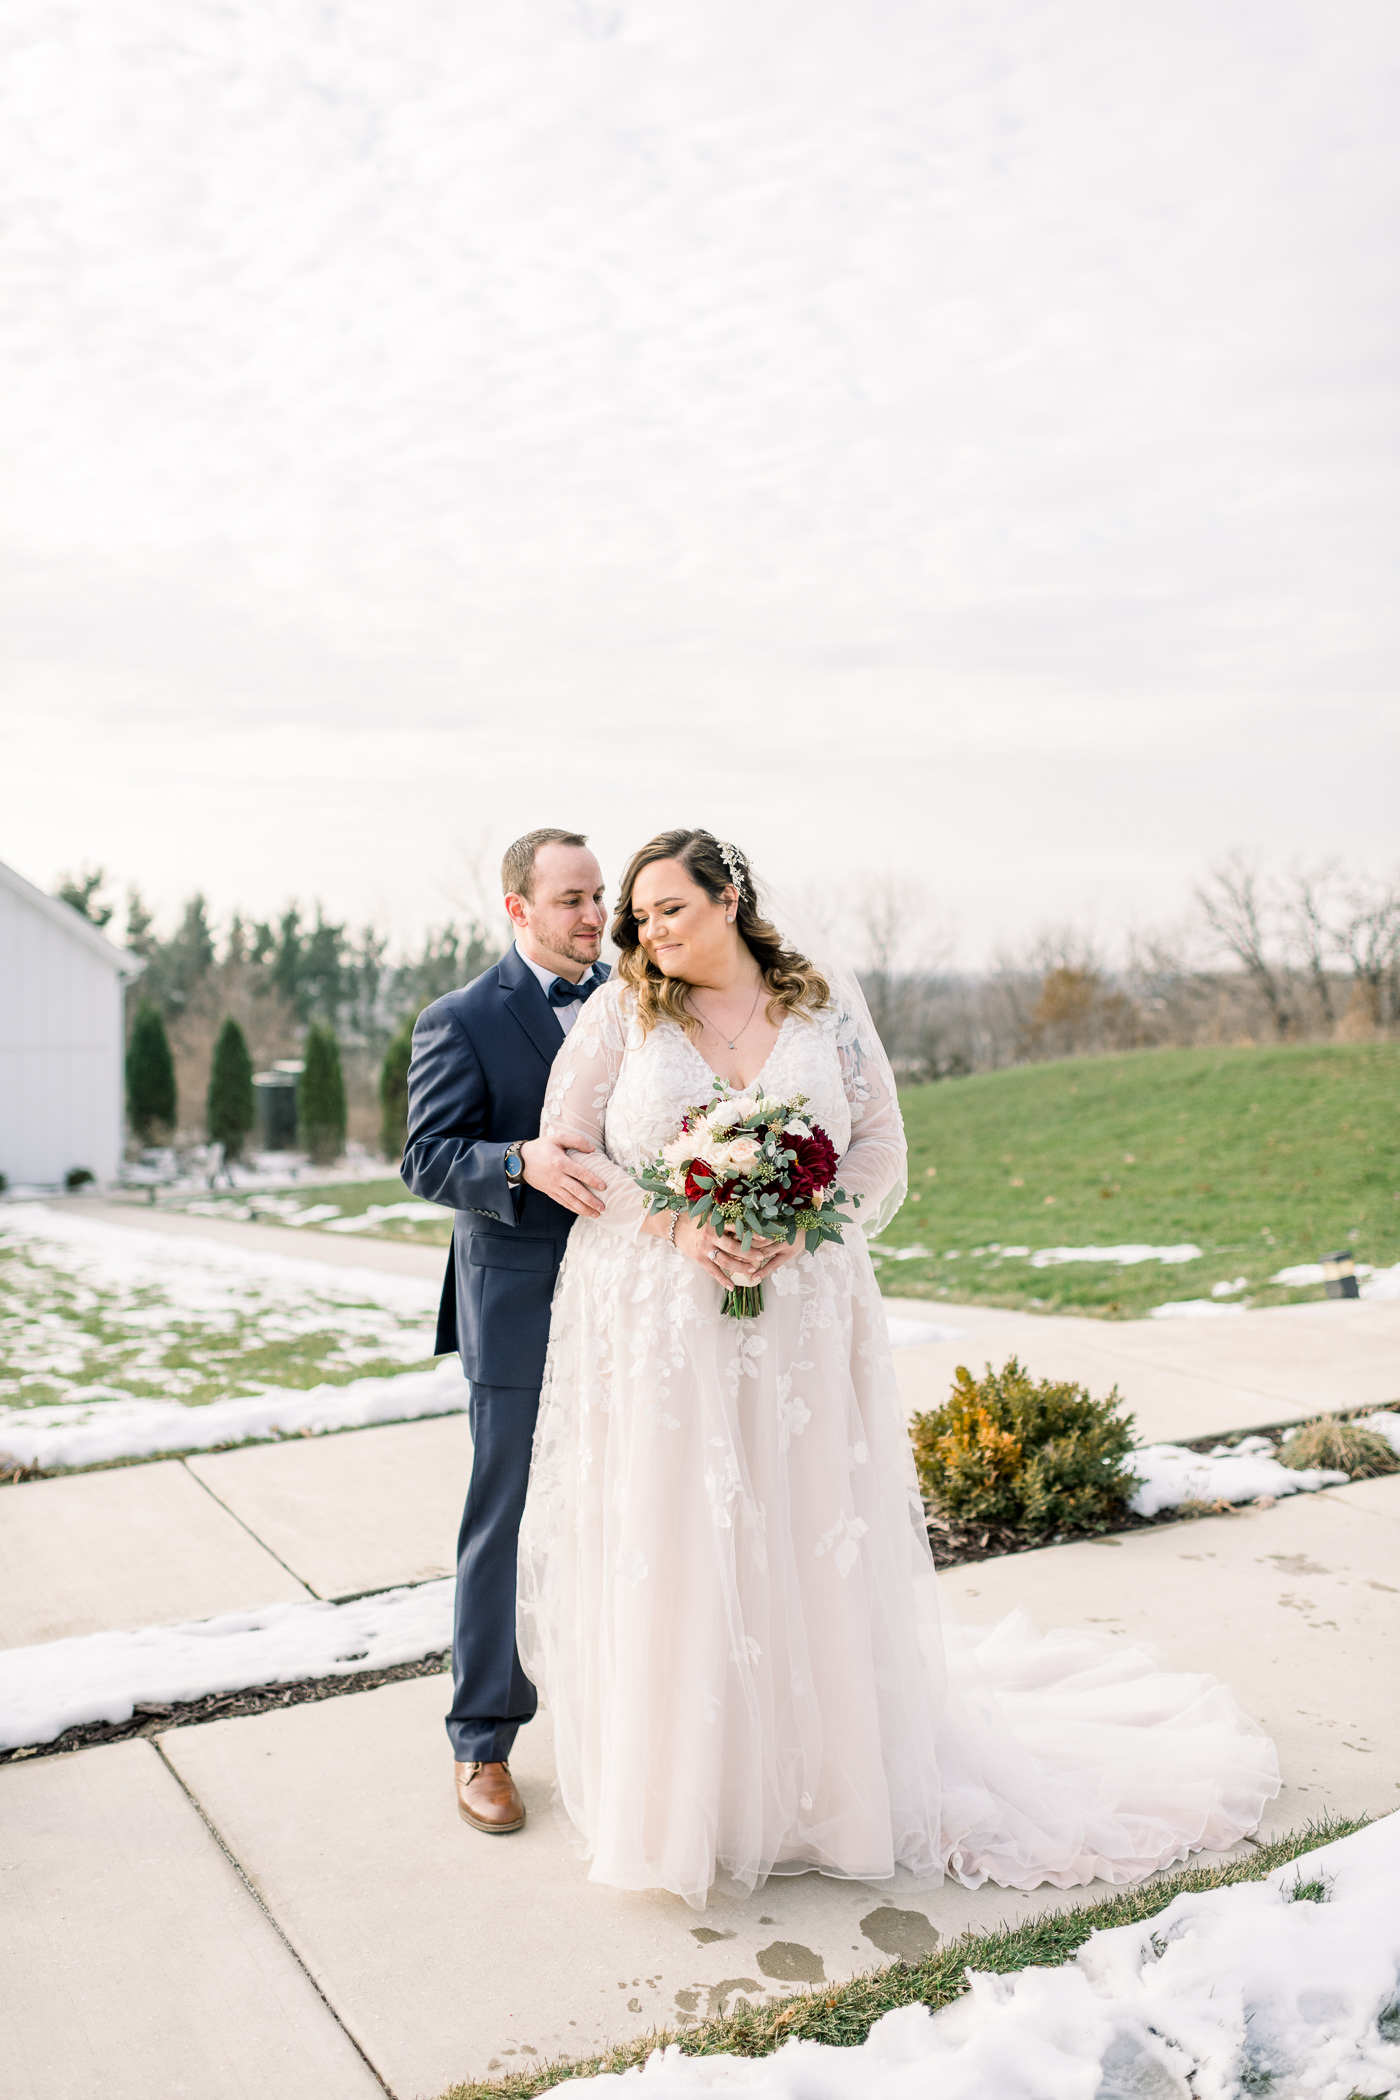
787	1961
906	1934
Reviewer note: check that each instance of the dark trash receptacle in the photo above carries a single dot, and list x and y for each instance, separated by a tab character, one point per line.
275	1108
1339	1274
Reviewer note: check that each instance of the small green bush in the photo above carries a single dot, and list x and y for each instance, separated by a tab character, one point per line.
1040	1456
150	1075
321	1096
229	1108
393	1093
78	1178
1344	1447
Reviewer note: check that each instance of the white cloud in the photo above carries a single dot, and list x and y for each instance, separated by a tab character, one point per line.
422	420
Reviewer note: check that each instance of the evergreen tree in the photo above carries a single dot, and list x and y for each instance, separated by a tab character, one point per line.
321	1096
187	957
139	922
83	892
230	1104
150	1075
393	1093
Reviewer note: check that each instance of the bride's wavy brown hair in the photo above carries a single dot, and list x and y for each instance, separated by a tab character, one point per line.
794	984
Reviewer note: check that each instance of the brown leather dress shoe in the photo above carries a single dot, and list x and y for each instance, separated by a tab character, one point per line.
488	1798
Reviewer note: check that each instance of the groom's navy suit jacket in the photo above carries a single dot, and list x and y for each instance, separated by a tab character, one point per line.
481	1060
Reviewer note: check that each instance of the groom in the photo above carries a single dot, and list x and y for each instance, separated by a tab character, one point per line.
476	1086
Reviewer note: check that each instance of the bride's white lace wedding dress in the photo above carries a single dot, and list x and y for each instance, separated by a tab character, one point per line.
727	1598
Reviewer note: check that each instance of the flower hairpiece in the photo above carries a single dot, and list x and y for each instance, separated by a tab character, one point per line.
735	862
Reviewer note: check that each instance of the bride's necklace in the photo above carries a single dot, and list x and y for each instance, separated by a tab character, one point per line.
730	1041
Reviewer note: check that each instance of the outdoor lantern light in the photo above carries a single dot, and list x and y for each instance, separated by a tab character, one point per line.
1339	1275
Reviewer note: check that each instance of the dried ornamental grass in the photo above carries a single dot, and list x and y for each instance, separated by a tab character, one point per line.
1042	1456
1343	1446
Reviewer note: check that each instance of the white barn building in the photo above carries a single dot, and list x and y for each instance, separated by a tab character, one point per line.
62	1039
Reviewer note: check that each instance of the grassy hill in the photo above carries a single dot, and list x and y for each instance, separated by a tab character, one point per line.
1264	1158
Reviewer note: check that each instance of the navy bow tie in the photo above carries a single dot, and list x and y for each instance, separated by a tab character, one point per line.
561	991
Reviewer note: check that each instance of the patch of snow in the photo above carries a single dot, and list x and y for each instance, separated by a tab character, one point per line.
103	1676
191	1168
1229	1290
1170	1475
1234	1990
907	1334
197	1275
1192	1309
902	1253
381	1213
1124	1257
107	1424
1381	1283
1385	1423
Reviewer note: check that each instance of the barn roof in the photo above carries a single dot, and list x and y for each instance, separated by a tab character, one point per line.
72	923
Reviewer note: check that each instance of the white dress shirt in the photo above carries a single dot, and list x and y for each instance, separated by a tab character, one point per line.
565	1015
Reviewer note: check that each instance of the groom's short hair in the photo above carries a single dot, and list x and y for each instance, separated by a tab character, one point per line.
518	867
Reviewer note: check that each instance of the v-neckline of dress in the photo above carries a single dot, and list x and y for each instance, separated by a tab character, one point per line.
749	1084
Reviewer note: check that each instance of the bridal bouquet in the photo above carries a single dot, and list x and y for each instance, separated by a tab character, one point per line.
754	1163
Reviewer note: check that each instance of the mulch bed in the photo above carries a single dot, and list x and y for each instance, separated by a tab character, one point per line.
226	1706
957	1544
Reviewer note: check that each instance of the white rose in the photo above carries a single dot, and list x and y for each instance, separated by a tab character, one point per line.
743	1152
796	1128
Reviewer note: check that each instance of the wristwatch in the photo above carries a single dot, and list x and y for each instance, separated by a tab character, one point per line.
515	1167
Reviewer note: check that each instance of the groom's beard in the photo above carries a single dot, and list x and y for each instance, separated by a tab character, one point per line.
578	951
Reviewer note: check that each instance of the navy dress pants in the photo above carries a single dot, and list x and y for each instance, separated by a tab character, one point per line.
491	1695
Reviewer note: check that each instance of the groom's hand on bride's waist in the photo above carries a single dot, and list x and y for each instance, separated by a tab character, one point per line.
550	1169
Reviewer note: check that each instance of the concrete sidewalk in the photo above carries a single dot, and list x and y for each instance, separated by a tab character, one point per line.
1182	1379
370	1922
287	1904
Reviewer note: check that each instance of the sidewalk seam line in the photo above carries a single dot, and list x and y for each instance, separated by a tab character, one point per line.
219	1500
236	1863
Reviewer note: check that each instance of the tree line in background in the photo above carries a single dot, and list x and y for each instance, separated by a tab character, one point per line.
1295	956
1306	954
211	1008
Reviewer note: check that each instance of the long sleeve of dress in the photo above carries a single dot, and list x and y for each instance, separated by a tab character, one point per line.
581	1081
875	1165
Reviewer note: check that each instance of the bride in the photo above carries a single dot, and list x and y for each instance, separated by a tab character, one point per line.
726	1593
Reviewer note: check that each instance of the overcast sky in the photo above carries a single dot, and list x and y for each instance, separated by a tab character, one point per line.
912	437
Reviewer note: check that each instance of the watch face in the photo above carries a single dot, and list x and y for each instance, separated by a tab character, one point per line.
514	1164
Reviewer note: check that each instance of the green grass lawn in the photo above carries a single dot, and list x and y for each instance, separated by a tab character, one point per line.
1263	1158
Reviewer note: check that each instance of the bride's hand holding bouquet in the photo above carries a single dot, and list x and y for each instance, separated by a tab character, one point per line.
751	1176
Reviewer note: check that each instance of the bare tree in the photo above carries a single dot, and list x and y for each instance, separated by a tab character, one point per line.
1236	914
1370	939
1312	934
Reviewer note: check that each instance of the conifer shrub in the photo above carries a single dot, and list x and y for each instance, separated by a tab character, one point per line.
229	1106
1343	1447
321	1096
150	1076
78	1178
1038	1456
393	1092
